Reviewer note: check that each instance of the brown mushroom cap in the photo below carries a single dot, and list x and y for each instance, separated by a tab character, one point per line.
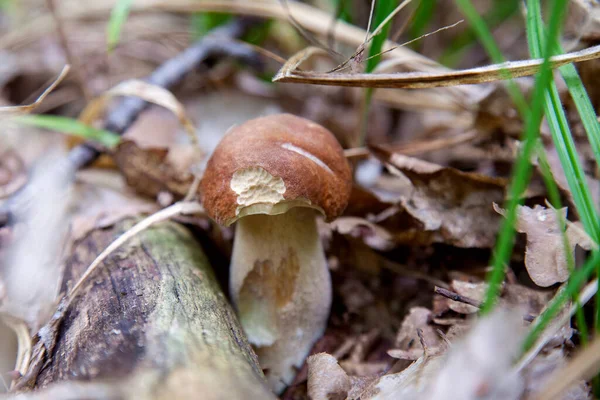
271	164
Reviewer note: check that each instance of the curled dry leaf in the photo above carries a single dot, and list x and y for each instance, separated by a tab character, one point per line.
545	257
19	110
443	204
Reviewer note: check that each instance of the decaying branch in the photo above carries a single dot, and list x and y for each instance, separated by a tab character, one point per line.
153	323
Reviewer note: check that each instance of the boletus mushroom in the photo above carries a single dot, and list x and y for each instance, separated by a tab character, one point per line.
273	176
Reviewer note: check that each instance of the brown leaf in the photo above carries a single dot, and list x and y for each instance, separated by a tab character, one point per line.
151	158
446	205
545	257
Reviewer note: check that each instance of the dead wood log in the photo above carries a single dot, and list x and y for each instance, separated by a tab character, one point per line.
153	323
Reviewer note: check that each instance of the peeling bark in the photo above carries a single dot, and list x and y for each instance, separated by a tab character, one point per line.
153	323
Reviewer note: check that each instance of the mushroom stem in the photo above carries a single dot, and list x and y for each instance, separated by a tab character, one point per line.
281	287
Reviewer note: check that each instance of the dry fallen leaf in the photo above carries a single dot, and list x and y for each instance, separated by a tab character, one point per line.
545	257
326	379
446	205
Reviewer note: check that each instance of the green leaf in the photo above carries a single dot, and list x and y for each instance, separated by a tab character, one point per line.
70	126
383	8
118	16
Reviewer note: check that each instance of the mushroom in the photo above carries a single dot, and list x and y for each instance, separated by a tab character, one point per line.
273	175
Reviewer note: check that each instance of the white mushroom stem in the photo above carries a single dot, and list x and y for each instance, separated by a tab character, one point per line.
281	287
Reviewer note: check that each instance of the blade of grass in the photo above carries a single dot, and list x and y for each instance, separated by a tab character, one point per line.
500	12
563	139
543	321
118	16
204	22
487	40
383	8
71	127
560	130
422	18
574	84
522	168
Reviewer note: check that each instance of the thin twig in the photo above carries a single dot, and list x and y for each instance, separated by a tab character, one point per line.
457	297
467	300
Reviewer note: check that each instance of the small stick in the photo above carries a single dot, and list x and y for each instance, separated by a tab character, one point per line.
456	297
467	300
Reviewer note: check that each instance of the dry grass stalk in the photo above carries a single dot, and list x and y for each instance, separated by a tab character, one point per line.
420	80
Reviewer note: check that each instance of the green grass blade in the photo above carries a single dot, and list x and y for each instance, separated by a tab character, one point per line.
563	139
500	12
383	8
71	127
118	16
487	40
522	169
204	22
423	15
343	10
584	107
